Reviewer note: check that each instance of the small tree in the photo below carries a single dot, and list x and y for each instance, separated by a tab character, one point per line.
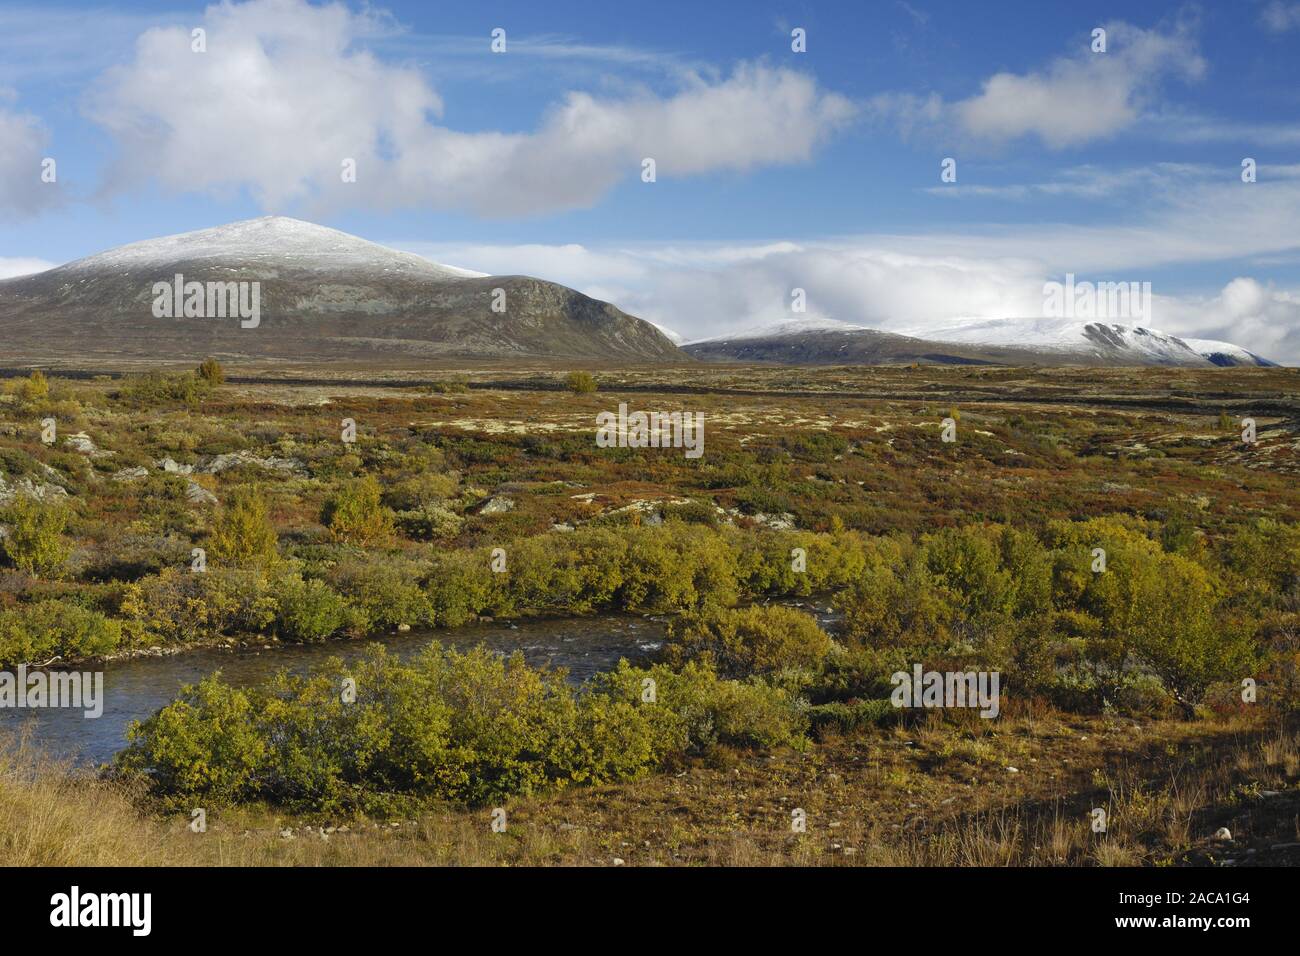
580	383
35	542
244	533
211	372
356	515
36	388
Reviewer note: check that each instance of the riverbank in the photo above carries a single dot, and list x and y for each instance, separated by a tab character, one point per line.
136	687
932	795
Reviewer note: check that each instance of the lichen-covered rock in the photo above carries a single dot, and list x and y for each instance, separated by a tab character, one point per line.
236	458
196	494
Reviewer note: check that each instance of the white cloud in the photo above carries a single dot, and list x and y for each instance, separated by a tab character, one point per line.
286	92
23	144
1249	313
897	282
1279	17
1076	99
1087	182
19	266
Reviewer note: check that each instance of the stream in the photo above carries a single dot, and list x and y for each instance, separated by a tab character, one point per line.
136	688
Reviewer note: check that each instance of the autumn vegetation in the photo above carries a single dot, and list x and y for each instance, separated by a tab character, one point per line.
1112	574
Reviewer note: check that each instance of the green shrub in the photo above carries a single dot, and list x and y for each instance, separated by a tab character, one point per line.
177	606
204	744
211	372
457	587
386	592
36	388
748	641
851	717
470	728
49	630
309	610
356	515
34	542
243	533
850	674
580	383
429	522
694	710
158	389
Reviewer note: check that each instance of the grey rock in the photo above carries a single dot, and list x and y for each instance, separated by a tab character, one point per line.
174	467
39	491
81	442
197	494
233	459
497	504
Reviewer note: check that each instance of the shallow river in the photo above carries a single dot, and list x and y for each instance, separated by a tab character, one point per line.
134	689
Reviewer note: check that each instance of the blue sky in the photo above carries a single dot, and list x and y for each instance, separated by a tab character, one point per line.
775	169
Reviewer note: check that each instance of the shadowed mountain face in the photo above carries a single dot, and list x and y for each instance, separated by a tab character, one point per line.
321	294
855	347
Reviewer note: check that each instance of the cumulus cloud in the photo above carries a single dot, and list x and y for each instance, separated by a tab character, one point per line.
1249	313
1074	100
286	92
908	282
23	144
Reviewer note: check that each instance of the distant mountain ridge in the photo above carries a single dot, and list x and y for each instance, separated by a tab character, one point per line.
324	294
982	342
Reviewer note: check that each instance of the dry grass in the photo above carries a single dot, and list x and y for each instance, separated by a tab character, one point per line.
888	798
1246	783
51	816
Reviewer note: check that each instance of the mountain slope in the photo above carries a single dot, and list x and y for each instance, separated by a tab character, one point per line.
851	346
1092	342
1225	354
991	342
323	294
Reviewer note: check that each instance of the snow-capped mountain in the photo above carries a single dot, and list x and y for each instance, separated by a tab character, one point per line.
271	240
1109	343
1225	353
973	341
322	294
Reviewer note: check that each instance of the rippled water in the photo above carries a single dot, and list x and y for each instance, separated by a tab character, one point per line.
134	689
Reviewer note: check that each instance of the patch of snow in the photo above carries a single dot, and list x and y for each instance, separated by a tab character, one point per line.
1212	347
675	337
273	239
1062	335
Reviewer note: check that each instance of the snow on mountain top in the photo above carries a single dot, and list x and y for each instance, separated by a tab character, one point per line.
1055	334
790	327
675	337
271	238
1034	332
1212	347
1108	341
